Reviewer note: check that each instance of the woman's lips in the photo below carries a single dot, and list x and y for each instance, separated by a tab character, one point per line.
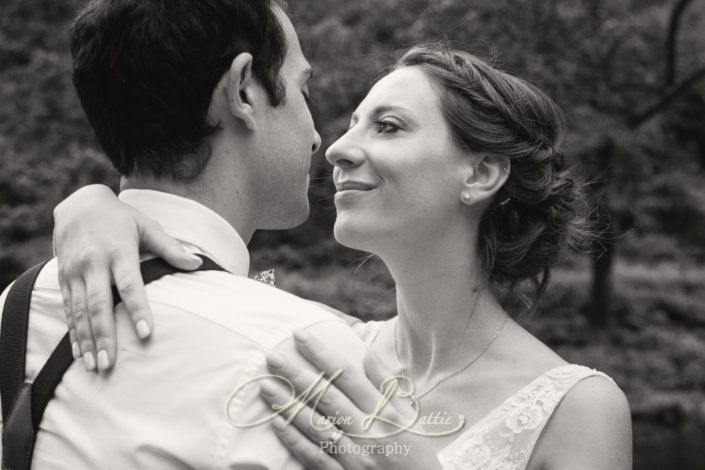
348	189
353	185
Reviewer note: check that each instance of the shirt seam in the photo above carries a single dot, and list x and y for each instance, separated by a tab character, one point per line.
226	430
231	330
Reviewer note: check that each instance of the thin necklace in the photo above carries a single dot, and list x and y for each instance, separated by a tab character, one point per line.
443	379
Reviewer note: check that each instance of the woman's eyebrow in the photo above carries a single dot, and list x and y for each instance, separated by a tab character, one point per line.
385	108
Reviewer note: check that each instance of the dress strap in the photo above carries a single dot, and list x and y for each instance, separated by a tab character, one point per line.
505	438
538	402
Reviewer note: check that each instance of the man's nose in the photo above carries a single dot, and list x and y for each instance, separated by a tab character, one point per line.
316	142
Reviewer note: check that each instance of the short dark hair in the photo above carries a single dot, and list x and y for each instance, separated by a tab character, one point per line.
542	206
145	71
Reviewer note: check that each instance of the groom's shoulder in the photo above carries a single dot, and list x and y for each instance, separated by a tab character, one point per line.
246	306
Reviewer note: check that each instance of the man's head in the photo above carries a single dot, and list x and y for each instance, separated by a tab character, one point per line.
168	84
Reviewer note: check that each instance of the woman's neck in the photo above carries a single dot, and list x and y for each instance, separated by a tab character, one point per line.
446	310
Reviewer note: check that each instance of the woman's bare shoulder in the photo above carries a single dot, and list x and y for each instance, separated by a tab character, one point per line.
528	353
589	429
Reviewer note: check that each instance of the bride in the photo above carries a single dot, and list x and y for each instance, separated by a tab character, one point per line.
451	173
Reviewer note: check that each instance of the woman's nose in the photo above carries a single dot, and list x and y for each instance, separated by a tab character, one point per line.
345	152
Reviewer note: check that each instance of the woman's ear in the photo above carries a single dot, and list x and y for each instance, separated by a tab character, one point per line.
485	178
240	90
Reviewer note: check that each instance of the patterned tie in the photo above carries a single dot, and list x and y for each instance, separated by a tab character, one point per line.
266	277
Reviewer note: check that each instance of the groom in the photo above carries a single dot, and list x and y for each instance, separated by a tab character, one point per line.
202	108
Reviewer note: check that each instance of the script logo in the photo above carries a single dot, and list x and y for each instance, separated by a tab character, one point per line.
396	385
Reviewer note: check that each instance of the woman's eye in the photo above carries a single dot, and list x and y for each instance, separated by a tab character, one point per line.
386	126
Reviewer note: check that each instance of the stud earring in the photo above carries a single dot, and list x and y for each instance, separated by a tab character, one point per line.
467	197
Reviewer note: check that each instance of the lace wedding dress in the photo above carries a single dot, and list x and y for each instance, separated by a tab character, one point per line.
505	437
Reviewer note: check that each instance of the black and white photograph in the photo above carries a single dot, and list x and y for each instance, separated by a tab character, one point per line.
334	235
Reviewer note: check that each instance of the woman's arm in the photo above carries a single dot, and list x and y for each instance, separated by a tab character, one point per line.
591	429
97	240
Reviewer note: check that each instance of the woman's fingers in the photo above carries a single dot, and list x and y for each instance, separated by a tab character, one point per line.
99	301
305	451
349	319
316	390
373	416
84	332
322	394
381	378
129	283
154	239
70	321
305	423
311	423
351	382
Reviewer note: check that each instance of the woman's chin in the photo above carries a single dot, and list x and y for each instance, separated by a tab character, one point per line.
353	235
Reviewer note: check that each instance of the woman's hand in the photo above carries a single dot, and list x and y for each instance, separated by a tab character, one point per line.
348	402
97	240
349	319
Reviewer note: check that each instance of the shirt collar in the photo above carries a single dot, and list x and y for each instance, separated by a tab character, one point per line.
193	224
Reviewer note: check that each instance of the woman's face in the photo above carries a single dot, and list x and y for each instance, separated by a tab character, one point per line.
398	172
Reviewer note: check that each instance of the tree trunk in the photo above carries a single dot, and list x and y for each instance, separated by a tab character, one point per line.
603	247
600	294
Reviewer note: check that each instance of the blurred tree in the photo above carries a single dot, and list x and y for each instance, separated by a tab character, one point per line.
637	132
46	146
613	65
616	188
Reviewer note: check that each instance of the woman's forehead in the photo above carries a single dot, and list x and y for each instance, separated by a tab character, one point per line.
407	87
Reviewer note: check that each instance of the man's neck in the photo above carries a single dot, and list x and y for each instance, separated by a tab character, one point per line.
230	208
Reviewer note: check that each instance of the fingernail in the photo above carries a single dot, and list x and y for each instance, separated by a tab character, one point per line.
196	259
301	336
103	360
275	360
143	330
75	350
89	361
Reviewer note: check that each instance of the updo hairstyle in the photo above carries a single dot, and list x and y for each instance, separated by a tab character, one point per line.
541	208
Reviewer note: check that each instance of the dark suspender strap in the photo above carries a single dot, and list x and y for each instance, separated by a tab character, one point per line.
23	403
48	379
61	359
156	268
27	401
13	336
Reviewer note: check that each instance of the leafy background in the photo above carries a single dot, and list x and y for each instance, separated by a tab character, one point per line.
628	73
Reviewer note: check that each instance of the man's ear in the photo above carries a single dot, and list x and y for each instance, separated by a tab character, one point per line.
485	178
240	90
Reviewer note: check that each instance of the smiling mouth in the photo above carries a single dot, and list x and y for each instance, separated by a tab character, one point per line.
353	186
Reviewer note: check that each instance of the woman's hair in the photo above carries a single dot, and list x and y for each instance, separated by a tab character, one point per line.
541	207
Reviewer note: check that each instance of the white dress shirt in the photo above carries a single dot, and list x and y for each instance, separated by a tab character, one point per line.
164	404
